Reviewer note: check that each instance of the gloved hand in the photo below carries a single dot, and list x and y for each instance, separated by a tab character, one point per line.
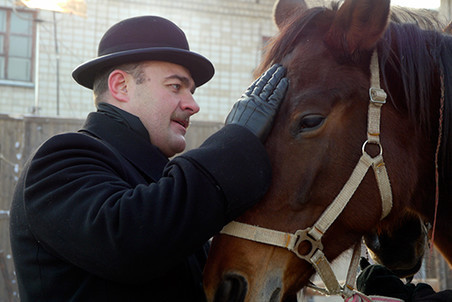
257	107
380	281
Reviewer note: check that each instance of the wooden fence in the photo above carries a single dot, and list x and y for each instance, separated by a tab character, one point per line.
19	137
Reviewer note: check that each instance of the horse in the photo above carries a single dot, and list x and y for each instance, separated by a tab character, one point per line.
334	120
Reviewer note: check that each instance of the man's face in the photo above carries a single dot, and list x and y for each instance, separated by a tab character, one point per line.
164	103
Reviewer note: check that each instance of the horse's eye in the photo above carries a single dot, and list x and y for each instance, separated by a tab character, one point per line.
310	122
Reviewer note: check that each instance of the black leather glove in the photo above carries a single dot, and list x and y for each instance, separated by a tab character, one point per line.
257	107
380	281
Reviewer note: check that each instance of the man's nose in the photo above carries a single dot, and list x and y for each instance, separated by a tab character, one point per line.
189	103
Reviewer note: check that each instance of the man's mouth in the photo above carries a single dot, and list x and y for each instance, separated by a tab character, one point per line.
183	122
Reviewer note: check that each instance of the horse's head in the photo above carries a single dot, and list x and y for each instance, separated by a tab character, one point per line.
314	147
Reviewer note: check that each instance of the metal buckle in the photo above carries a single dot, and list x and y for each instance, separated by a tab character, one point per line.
302	235
377	95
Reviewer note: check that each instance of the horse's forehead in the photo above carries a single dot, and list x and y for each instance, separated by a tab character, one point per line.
307	58
311	66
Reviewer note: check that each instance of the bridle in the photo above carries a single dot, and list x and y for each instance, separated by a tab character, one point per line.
313	235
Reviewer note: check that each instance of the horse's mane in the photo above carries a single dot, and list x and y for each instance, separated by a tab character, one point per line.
421	52
416	49
284	42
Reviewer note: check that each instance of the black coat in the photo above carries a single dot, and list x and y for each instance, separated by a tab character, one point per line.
102	215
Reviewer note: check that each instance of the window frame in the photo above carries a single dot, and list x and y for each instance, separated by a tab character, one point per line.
6	47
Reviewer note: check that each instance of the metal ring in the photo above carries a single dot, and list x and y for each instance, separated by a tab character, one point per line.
375	143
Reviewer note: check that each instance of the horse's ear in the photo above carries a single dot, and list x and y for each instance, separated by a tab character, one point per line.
283	9
358	25
448	29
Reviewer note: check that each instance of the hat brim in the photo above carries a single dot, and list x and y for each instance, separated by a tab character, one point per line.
201	69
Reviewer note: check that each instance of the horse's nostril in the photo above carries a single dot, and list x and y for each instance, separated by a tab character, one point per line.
232	289
276	295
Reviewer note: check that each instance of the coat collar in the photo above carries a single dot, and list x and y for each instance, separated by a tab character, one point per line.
140	152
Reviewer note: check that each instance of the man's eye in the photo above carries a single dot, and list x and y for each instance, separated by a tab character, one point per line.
176	86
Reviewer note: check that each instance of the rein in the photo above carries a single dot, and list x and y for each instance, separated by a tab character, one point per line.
313	235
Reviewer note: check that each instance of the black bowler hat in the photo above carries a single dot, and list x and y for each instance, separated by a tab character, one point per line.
142	39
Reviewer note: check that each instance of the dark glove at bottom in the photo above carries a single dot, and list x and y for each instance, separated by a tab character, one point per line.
380	281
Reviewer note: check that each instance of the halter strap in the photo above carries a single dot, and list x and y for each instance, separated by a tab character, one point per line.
314	234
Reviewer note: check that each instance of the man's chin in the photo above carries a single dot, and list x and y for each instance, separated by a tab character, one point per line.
178	146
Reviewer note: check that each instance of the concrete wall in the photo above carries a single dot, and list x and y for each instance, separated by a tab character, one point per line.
229	33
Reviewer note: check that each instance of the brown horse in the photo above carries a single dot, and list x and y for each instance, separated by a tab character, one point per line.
319	136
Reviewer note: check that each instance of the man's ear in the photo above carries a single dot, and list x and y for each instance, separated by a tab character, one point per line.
117	84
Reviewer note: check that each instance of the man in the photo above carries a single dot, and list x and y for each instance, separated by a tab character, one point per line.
102	214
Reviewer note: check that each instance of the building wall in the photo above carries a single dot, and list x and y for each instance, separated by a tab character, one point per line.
229	33
446	10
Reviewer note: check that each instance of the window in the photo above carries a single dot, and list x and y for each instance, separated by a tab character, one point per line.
16	45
